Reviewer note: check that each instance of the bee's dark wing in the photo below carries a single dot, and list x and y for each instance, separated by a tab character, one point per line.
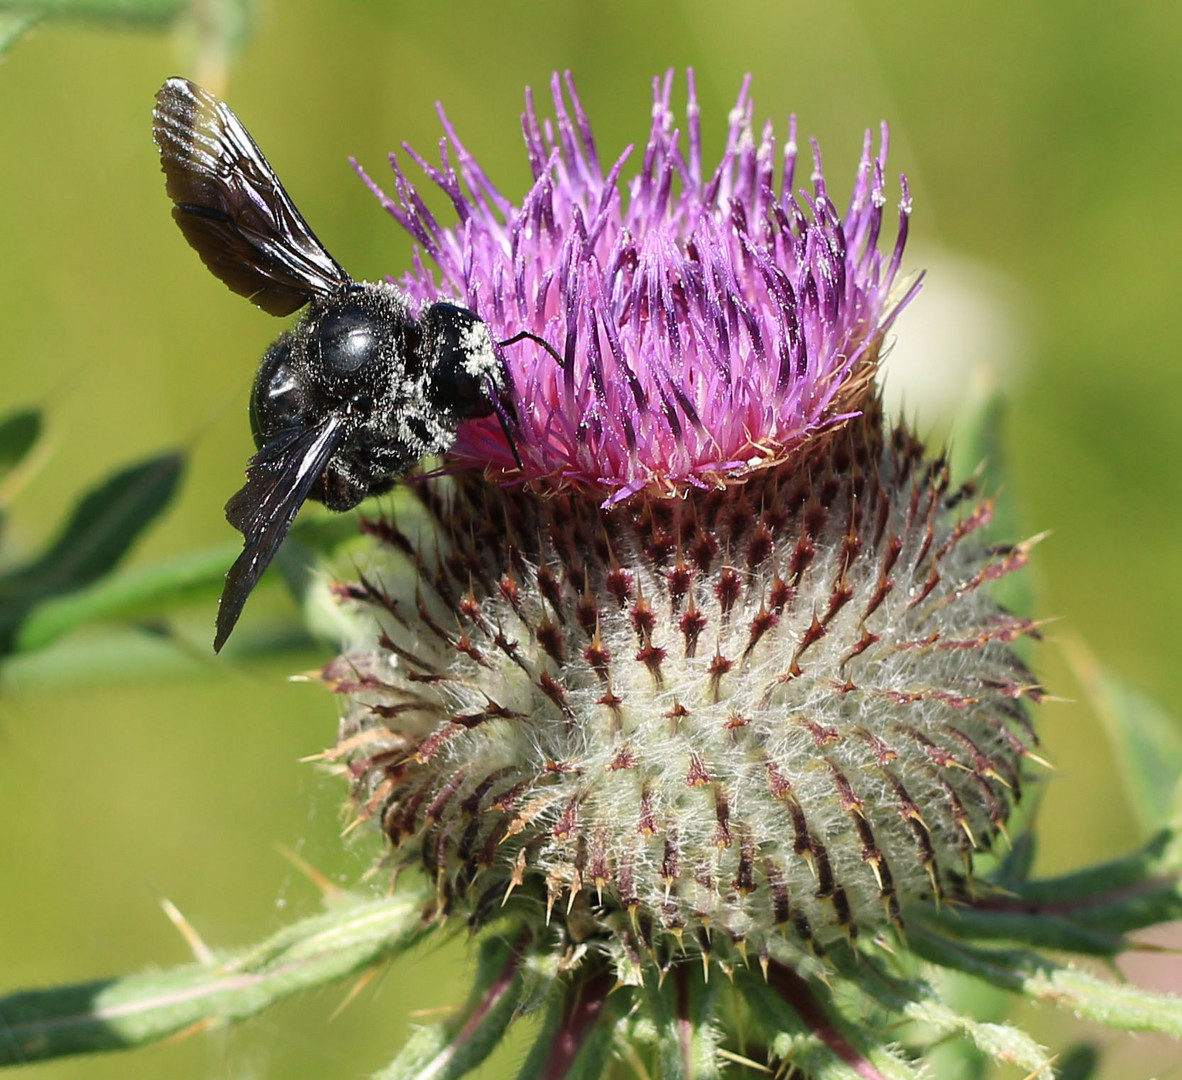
231	206
278	480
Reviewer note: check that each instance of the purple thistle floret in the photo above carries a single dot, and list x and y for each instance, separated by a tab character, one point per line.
708	325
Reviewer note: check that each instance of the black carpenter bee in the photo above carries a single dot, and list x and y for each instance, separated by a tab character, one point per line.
361	389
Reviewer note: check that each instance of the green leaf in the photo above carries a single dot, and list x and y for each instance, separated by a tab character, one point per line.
121	654
133	11
580	1029
1146	739
104	524
1089	895
135	1010
1015	866
19	431
14	25
1089	911
450	1050
683	1009
1022	972
1043	929
918	1001
160	588
805	1030
140	592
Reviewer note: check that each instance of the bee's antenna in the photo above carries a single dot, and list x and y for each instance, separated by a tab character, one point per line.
525	335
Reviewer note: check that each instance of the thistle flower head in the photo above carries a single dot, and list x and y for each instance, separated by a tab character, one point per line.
698	655
709	321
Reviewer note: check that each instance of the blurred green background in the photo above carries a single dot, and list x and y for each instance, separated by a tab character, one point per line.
1044	145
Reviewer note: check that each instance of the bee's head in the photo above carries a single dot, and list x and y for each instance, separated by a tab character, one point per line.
464	372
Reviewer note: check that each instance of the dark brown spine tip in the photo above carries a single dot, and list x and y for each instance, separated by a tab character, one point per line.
550	638
625	759
597	656
722	819
697	775
652	657
587	614
763	621
780	595
620	585
812	635
744	882
781	907
642	618
568	820
670	860
678	580
703	551
691	624
646	823
719	667
728	589
760	549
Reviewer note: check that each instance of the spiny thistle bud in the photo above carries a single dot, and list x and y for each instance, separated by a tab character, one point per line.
696	653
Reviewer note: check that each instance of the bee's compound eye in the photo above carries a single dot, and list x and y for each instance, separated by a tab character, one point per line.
346	341
279	399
